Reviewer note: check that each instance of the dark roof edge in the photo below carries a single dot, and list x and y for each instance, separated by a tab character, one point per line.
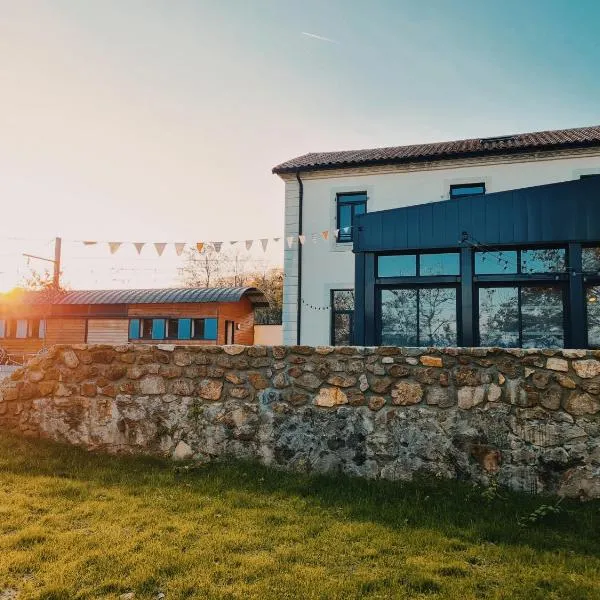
434	157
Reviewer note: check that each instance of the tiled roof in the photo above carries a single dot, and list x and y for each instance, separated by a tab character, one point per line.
519	143
155	296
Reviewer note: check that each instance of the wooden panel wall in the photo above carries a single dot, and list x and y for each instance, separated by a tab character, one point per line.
65	331
107	331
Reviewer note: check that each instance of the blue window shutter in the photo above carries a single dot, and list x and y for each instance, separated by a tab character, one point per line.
134	329
210	329
158	329
185	329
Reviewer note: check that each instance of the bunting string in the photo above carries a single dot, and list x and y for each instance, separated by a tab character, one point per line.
316	237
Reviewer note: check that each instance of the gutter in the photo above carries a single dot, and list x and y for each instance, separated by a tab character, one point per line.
299	298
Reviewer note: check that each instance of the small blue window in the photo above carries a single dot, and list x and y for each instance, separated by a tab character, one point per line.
185	329
158	329
349	206
210	329
467	189
134	329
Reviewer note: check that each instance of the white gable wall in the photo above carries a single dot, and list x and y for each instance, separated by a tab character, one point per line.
327	265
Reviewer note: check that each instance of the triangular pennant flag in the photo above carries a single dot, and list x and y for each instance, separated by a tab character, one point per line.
86	243
346	229
114	246
179	246
249	244
160	247
276	239
264	242
336	233
325	234
200	246
233	242
139	246
302	238
290	240
217	246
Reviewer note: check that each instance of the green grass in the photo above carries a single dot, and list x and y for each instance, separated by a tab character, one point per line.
79	525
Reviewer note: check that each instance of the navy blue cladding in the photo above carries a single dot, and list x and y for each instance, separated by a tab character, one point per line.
553	213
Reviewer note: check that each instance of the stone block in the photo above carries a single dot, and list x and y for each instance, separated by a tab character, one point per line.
398	370
234	349
239	392
152	384
182	452
343	381
210	389
586	368
376	403
557	364
255	351
257	380
89	388
406	393
579	404
181	387
380	385
431	361
281	380
308	381
70	359
328	397
470	396
182	358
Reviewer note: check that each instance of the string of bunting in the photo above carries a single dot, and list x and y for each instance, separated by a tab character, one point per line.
313	307
202	246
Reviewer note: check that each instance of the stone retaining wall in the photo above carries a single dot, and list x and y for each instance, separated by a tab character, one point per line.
529	418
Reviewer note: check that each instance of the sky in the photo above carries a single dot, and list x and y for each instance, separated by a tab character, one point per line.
160	120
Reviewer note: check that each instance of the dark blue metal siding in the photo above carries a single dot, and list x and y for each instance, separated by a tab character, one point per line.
553	213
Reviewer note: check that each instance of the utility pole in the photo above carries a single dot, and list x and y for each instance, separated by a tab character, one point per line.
57	251
55	262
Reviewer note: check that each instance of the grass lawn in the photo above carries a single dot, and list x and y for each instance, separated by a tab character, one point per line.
78	525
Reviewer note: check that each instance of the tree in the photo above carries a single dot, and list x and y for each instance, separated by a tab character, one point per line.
235	268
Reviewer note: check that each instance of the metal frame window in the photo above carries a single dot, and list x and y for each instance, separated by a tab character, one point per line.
348	205
460	190
342	310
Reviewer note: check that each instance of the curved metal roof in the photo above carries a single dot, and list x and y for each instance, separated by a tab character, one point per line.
154	296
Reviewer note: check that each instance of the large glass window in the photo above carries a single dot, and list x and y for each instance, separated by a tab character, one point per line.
342	317
349	206
466	189
418	317
546	260
527	316
593	315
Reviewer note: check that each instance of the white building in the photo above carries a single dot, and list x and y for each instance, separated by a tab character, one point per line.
324	190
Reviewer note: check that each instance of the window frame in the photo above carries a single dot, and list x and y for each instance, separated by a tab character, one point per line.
417	278
333	312
166	337
348	239
459	186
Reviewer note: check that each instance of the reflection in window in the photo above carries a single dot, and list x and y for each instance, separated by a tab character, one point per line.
590	259
172	328
531	317
399	318
342	315
550	260
423	317
593	315
397	265
447	263
349	206
499	317
466	189
146	329
491	263
542	317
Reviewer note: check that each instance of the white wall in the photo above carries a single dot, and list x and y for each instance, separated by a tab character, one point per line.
268	335
327	265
